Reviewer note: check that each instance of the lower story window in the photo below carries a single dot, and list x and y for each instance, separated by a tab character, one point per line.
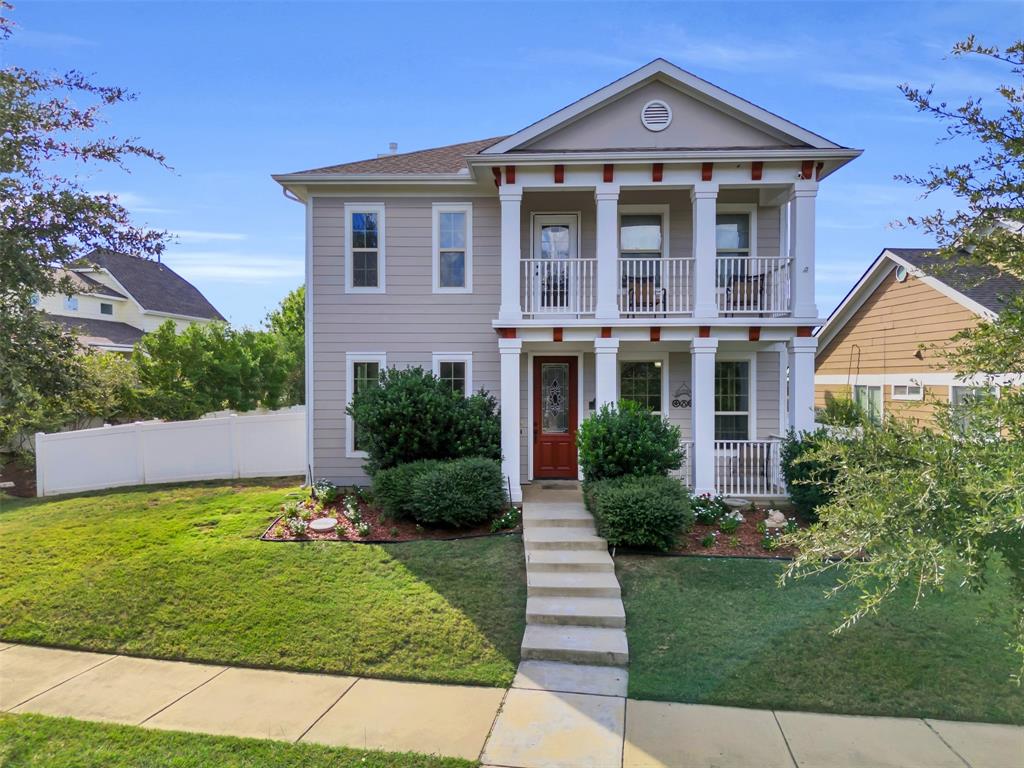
869	398
641	383
455	370
363	372
732	400
907	392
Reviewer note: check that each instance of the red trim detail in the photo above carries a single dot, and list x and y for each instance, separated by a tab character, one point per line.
805	331
706	170
657	172
606	332
609	173
559	174
507	333
807	169
497	176
817	171
754	333
655	333
704	331
510	174
756	170
556	334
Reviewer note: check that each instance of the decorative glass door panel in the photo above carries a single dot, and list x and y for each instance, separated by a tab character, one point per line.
554	418
555	415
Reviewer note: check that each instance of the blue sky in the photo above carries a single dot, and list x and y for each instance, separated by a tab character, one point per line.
232	92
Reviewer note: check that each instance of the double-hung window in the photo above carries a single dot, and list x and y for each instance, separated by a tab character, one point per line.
732	400
363	369
641	381
364	248
455	369
869	398
737	279
453	247
643	243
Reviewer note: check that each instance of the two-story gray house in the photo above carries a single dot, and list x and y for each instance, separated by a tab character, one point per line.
652	241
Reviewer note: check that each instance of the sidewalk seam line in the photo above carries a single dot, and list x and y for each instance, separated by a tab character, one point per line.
58	685
171	704
625	725
948	745
785	739
321	716
494	722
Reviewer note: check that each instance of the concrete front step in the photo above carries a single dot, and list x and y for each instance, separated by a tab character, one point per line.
563	538
557	516
581	645
568	584
579	611
575	560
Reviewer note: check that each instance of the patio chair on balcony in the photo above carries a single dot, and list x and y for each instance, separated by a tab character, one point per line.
643	296
746	294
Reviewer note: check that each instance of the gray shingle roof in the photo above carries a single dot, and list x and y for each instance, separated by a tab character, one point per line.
985	285
154	285
102	332
449	159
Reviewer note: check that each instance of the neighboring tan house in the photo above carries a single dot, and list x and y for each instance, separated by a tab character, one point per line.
653	240
874	347
119	298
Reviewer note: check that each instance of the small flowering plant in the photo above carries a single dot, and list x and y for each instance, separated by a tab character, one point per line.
730	523
351	508
362	529
297	526
290	509
708	509
509	519
710	539
325	491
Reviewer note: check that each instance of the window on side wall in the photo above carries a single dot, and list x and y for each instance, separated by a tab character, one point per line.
732	400
641	383
455	369
453	247
869	398
364	248
907	392
106	308
363	371
71	303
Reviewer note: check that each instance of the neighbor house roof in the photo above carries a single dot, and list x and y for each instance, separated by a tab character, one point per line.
153	285
85	283
980	288
449	159
100	333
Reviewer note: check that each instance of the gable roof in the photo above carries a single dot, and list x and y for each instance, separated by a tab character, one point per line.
449	159
980	288
85	283
153	285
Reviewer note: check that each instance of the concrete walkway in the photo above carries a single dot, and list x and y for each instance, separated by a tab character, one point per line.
547	728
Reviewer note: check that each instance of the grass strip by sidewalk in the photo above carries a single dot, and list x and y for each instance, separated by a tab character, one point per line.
35	741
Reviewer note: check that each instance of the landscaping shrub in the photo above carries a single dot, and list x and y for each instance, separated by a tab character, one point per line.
840	411
413	415
459	493
809	480
645	512
392	488
627	440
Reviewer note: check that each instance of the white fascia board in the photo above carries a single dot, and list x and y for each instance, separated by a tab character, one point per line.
194	318
863	288
589	157
673	76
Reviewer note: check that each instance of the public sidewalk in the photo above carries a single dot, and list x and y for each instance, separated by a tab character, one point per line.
578	730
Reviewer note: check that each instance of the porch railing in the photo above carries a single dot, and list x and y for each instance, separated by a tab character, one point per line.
685	471
748	468
655	286
558	286
753	285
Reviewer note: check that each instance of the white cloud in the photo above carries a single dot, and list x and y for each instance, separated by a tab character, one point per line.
200	236
237	268
29	38
135	202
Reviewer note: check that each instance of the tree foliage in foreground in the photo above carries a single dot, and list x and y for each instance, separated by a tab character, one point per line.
925	510
288	323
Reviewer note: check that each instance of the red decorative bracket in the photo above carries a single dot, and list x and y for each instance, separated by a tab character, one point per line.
706	171
657	172
606	332
609	173
559	174
497	176
817	171
556	334
756	170
655	333
507	333
704	331
754	333
510	174
807	169
805	331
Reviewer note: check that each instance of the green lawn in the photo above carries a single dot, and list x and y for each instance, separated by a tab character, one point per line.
177	572
720	631
34	741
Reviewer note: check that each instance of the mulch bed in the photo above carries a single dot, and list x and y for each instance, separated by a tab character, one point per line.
746	541
382	531
24	478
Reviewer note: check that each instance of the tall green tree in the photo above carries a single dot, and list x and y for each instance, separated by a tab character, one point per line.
288	324
923	510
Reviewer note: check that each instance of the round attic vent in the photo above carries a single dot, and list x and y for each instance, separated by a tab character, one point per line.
656	115
901	274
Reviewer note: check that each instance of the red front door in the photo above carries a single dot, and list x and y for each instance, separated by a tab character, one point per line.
555	411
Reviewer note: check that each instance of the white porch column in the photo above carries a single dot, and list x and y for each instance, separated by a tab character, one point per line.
801	238
705	200
511	252
607	197
801	382
606	371
702	364
509	350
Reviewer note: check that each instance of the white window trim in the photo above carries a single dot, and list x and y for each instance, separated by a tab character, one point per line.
377	208
538	218
751	210
351	358
437	210
455	357
907	396
648	357
751	395
632	210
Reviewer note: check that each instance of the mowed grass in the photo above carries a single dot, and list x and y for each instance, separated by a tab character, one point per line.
720	631
178	573
34	741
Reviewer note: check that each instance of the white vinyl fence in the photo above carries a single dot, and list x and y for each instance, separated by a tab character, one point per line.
259	444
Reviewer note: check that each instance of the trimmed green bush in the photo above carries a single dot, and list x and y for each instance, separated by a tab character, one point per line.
809	480
392	488
648	512
459	494
627	440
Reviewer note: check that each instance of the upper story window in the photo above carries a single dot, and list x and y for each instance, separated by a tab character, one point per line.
641	383
732	400
106	308
455	369
453	247
364	247
734	231
71	303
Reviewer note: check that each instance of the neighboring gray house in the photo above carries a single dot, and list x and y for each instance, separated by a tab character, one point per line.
653	241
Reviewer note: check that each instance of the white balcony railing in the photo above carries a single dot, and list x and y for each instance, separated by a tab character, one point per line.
748	468
558	286
685	471
753	285
655	286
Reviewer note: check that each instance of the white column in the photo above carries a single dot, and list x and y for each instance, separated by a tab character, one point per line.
801	382
705	200
702	409
801	238
511	252
606	370
607	197
509	350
